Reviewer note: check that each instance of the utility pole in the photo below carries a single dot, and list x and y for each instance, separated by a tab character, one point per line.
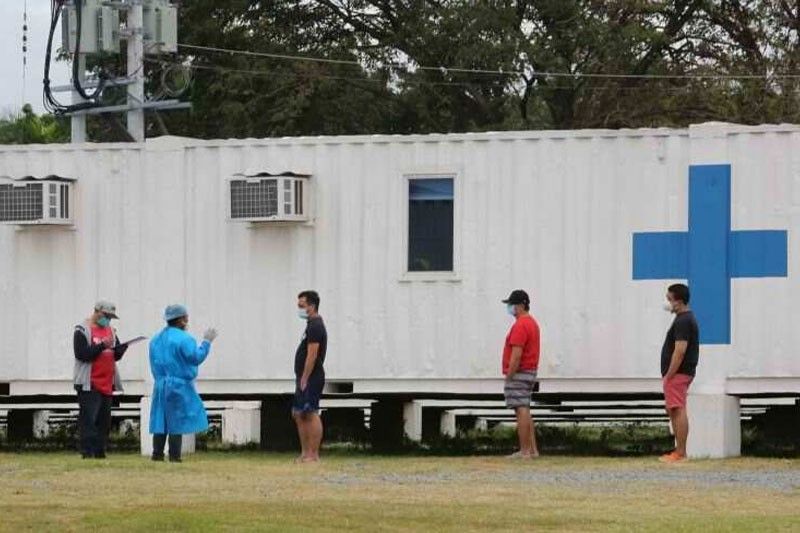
78	122
148	22
136	70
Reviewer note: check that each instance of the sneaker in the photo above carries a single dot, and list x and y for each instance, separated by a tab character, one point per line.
157	458
672	457
175	460
520	455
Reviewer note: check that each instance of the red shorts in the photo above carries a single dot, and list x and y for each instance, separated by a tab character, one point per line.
676	389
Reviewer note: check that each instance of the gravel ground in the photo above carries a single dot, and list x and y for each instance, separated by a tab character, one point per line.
783	480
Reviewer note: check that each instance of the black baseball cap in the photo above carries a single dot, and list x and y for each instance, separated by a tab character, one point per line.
518	296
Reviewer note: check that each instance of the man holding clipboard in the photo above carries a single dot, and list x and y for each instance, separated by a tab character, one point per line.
97	349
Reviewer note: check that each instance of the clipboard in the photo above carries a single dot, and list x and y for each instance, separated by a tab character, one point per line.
133	341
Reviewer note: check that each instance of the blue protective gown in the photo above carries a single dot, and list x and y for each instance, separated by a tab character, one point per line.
176	406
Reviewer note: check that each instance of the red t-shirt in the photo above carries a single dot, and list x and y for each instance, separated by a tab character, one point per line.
525	333
103	366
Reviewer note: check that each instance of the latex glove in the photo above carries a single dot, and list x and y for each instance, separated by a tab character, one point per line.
210	334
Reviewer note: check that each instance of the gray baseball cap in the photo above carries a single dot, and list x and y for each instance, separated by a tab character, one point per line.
107	308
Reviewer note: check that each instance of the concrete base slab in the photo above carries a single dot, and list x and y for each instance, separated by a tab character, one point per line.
41	424
447	424
715	428
412	421
241	424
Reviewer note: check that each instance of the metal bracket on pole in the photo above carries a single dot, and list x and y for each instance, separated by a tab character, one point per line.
162	105
91	85
122	5
130	33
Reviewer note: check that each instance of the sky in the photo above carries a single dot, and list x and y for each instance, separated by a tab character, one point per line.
12	96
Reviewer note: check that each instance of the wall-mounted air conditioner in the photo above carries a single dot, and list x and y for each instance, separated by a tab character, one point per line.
265	197
31	200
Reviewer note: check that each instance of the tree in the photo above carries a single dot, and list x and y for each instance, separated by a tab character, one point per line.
28	128
420	66
515	46
240	96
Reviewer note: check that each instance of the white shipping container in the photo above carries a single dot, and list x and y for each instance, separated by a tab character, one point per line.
551	212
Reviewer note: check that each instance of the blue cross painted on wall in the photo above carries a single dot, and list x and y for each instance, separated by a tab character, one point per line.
709	255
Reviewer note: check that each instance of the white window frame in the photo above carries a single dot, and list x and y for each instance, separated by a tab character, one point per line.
454	275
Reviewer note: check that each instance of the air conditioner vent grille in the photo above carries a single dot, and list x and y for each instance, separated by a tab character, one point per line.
21	204
254	199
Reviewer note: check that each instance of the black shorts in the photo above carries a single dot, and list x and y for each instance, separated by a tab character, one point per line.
307	401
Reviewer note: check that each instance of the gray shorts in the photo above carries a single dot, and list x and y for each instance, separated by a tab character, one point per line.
518	389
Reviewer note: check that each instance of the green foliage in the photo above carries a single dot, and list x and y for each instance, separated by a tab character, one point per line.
513	44
270	97
29	128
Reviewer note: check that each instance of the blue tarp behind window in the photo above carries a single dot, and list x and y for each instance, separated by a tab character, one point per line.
430	225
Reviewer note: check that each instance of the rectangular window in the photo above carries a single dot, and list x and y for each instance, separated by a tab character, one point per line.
430	225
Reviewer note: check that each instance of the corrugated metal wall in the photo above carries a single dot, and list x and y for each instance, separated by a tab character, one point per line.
547	211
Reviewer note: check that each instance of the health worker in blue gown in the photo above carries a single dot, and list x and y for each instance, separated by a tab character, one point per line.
174	361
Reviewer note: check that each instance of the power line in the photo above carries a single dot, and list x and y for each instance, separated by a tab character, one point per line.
274	74
520	73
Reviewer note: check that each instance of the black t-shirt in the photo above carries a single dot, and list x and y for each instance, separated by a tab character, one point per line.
684	328
315	333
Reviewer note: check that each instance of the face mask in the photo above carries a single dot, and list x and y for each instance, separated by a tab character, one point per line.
667	307
511	311
302	314
103	321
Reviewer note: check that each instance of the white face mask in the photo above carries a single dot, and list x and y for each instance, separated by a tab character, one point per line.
668	307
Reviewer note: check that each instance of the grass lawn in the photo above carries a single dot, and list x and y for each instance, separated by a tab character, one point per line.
250	491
